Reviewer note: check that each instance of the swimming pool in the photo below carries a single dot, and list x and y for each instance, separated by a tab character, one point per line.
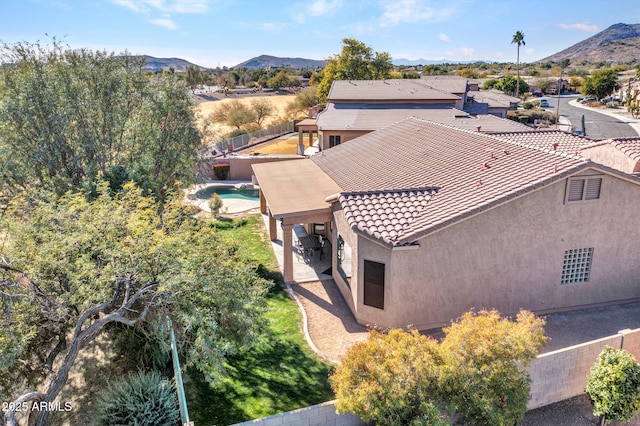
227	192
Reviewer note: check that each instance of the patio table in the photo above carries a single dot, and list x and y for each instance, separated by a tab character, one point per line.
310	245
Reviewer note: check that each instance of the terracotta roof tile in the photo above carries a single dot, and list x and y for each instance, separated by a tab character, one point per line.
629	146
566	142
472	171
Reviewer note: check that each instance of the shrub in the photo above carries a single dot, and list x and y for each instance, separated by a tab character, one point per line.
529	105
236	132
215	203
390	379
140	399
613	385
221	170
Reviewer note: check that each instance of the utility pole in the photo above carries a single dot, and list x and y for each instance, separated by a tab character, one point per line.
558	107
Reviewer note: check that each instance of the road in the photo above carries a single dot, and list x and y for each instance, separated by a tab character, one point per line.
597	126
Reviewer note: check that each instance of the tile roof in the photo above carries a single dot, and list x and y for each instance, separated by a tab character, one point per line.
384	214
362	116
569	143
495	98
451	84
472	171
409	90
629	146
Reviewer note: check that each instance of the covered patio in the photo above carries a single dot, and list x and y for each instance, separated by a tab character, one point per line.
293	200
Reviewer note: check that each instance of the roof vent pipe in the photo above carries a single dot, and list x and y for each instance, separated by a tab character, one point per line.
555	146
478	128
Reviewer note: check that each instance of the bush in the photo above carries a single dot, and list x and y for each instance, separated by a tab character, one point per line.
390	379
141	399
613	385
529	105
221	170
215	203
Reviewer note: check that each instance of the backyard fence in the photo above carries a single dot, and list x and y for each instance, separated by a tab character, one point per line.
252	138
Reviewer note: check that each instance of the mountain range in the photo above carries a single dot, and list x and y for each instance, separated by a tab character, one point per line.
619	43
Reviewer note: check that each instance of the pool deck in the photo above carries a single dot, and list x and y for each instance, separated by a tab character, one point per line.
230	206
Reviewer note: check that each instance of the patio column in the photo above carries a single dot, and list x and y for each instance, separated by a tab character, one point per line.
287	247
300	142
263	203
273	231
310	138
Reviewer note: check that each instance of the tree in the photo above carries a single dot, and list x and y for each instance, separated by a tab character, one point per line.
390	379
511	84
600	83
261	108
300	105
69	118
518	38
613	385
194	76
356	61
282	80
234	113
468	73
485	379
545	84
71	267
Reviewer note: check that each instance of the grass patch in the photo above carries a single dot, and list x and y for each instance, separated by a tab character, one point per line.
281	374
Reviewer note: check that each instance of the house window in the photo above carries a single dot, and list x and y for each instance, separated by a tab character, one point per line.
577	266
374	284
334	140
583	189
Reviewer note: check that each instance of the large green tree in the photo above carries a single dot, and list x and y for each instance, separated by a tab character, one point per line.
600	83
356	61
511	84
69	118
70	268
518	39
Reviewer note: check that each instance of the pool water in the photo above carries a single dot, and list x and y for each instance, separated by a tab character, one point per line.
229	192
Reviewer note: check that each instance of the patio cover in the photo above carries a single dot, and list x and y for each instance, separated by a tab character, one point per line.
295	189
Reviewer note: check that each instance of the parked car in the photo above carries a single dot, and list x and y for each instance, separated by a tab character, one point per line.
588	99
544	103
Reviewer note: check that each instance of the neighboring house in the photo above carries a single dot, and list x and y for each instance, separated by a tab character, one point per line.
359	107
339	123
494	102
427	221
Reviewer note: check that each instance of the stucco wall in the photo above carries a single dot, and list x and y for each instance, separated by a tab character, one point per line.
316	415
240	166
511	257
345	135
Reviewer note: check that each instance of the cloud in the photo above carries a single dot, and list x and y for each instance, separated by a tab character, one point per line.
164	6
165	23
316	8
462	53
444	37
397	12
579	27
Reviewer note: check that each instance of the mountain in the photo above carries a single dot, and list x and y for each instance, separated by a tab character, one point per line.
410	62
266	61
619	43
179	65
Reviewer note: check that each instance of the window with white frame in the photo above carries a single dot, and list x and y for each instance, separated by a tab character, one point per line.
584	188
577	266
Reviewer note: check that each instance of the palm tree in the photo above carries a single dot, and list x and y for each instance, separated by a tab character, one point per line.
518	38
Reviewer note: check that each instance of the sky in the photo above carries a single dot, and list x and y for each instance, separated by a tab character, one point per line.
214	33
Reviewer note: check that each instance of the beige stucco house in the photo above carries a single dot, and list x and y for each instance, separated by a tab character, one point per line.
427	221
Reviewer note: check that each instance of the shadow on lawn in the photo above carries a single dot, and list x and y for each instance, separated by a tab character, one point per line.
276	376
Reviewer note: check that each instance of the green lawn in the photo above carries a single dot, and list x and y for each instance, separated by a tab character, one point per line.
281	374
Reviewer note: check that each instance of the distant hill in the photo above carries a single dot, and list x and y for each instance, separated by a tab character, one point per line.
266	61
619	43
178	65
